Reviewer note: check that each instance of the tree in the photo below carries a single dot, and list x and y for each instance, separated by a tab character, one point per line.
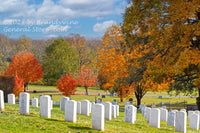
3	65
67	84
86	78
112	62
19	86
172	29
60	59
26	66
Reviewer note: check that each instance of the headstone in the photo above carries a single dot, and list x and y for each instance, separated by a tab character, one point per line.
153	106
167	103
98	117
180	121
90	107
56	103
163	114
24	103
145	112
11	98
154	118
117	110
130	114
62	103
194	121
108	110
70	111
79	107
183	110
1	100
114	103
148	114
190	113
160	97
141	106
171	118
164	107
99	94
85	107
98	101
35	102
113	111
51	104
45	110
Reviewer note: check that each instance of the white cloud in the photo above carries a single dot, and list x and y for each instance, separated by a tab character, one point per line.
102	27
56	29
61	8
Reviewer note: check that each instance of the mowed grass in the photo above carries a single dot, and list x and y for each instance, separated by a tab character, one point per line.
98	90
11	121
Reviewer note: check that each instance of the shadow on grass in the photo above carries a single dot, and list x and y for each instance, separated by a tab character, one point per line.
80	128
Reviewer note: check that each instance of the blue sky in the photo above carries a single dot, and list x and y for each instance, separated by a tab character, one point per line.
43	19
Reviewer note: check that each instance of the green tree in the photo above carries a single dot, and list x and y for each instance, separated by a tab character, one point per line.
60	59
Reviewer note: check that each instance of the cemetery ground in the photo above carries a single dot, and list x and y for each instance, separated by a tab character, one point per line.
12	121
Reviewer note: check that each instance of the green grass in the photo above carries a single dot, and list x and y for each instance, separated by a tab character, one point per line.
12	121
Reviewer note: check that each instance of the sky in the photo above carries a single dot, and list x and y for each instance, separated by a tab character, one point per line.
44	19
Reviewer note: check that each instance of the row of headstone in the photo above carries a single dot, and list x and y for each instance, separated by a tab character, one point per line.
174	118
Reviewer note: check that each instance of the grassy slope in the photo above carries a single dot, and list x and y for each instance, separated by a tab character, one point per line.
12	121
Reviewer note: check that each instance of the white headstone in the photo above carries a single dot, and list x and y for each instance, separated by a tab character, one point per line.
24	103
98	117
56	103
190	113
163	114
45	110
153	106
183	110
90	107
180	121
35	102
171	118
51	103
113	111
117	110
1	100
155	118
164	107
108	110
85	107
148	114
114	103
194	121
141	106
11	98
79	107
62	103
70	111
130	114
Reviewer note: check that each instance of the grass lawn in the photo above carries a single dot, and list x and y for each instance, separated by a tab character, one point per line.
12	121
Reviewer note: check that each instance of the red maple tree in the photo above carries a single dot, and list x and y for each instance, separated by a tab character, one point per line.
19	86
86	78
67	84
26	66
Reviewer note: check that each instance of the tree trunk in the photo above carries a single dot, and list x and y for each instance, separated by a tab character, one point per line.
138	101
86	90
198	100
25	87
121	99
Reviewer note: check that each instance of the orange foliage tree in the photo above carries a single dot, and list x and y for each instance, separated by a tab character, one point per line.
26	66
67	84
19	86
86	78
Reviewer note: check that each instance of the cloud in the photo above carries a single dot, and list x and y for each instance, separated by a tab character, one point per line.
56	29
102	27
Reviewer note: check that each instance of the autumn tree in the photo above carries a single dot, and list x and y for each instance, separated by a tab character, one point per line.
3	65
26	66
87	78
19	86
67	85
173	30
60	59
